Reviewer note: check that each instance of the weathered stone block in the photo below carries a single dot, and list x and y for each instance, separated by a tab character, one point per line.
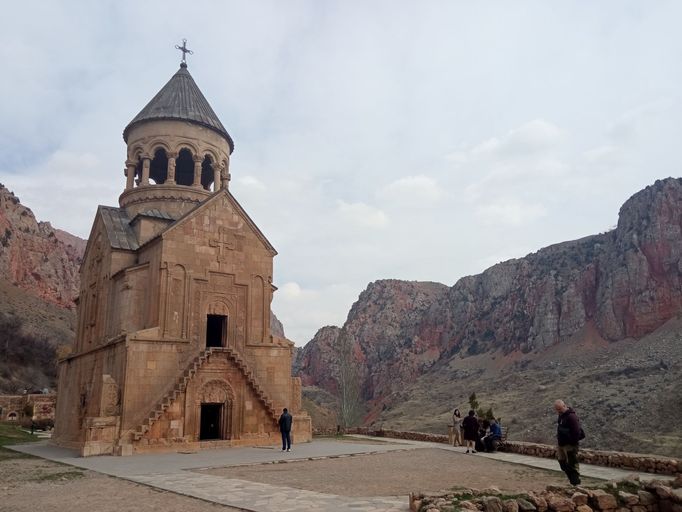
539	502
628	498
646	498
579	498
560	504
492	504
525	505
603	500
467	505
676	495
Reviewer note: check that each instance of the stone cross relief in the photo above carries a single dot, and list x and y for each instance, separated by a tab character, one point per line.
226	241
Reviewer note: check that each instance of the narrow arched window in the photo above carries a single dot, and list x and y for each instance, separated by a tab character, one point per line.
207	173
158	169
184	168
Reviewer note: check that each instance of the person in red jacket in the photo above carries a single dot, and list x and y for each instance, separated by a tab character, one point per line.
568	437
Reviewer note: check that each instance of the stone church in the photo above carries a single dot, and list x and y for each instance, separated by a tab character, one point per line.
173	347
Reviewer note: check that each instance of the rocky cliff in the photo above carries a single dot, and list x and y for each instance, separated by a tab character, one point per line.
36	257
627	282
39	278
618	285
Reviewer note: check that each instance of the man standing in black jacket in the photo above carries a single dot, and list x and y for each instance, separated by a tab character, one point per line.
568	437
285	428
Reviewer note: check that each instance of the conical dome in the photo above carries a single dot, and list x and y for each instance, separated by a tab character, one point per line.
180	99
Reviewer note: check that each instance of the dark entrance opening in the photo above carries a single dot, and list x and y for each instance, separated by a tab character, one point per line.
216	329
210	421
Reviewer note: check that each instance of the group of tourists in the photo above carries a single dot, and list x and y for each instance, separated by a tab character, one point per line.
479	434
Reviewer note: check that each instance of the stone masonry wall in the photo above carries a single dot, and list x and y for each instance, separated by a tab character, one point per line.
628	495
632	461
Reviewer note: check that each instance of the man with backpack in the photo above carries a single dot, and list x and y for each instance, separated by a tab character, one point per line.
568	436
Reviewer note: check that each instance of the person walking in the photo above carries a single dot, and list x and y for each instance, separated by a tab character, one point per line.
285	421
457	428
568	437
470	425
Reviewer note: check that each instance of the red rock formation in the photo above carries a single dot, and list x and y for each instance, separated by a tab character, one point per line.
623	283
35	256
316	362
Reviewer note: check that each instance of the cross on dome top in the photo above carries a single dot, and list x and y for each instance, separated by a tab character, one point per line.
184	51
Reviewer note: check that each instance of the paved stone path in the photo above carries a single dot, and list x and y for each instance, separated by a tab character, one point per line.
264	497
174	472
588	470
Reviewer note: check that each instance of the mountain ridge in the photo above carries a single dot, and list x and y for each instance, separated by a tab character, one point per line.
622	284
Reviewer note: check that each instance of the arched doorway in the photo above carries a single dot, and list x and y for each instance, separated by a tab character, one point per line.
215	411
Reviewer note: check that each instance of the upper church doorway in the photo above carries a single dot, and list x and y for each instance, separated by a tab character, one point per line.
216	330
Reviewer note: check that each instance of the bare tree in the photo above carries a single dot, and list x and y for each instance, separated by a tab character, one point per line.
348	380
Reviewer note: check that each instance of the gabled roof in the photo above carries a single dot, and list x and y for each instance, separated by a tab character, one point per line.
117	225
238	207
180	99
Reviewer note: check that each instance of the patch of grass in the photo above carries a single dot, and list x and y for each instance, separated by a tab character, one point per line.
513	496
10	433
6	454
627	486
54	477
463	497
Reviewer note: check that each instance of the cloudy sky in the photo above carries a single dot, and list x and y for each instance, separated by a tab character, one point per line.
385	139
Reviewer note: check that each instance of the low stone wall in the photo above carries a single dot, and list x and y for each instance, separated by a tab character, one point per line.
625	496
398	434
622	460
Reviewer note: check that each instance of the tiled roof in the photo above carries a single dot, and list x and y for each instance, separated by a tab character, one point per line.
154	213
117	224
180	99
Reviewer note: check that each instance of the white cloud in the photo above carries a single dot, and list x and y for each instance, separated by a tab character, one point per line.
529	139
66	188
361	215
251	182
607	153
536	136
411	190
327	305
510	212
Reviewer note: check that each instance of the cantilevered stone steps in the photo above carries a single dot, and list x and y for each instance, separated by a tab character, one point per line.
187	375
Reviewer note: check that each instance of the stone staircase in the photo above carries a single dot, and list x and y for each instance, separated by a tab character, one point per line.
181	385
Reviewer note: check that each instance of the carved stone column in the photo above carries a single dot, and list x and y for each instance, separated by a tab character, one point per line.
170	178
225	174
130	174
146	161
197	171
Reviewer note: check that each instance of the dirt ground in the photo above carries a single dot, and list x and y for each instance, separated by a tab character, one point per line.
29	484
397	473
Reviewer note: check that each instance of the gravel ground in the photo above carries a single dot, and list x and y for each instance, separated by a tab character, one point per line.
29	484
397	473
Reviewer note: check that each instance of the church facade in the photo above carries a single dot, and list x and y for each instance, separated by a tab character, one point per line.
173	347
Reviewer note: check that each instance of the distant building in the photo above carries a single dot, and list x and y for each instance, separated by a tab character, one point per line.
173	346
36	407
